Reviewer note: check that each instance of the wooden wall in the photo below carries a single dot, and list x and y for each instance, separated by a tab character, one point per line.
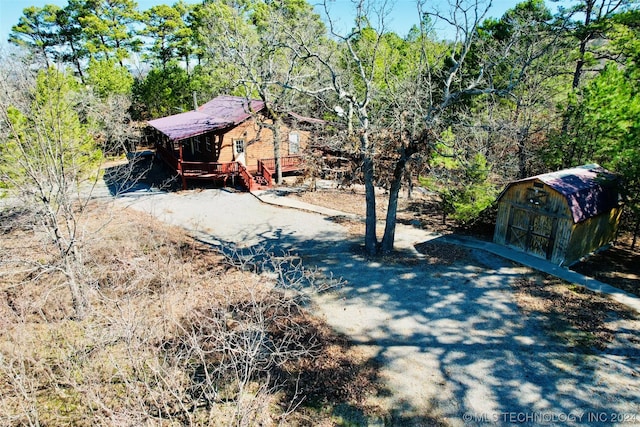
591	234
222	150
261	148
526	216
517	195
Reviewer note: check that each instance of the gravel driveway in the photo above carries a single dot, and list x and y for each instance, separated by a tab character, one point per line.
455	349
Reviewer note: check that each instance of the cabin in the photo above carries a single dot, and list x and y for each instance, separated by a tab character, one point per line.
226	140
560	216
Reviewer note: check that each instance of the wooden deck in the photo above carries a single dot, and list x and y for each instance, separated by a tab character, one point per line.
287	164
213	171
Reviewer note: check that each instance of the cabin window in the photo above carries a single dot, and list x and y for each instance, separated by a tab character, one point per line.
238	145
207	144
196	144
294	143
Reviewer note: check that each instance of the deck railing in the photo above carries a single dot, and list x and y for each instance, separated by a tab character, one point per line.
287	163
213	170
245	177
209	168
265	172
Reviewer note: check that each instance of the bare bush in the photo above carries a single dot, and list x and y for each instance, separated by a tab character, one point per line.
178	333
245	345
50	163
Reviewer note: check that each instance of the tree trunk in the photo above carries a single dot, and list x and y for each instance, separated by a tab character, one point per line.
68	250
276	151
577	73
636	230
370	239
521	137
392	209
46	57
78	297
76	61
408	176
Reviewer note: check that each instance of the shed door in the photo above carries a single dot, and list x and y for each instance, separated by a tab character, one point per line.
532	232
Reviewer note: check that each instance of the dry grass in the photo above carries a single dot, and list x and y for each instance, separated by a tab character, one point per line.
160	304
619	266
421	210
574	314
346	200
442	253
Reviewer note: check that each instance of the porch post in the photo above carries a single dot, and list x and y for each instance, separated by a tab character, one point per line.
180	171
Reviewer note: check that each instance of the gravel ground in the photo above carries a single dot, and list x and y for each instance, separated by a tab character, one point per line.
455	347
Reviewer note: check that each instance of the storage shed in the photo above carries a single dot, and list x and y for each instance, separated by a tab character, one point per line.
561	216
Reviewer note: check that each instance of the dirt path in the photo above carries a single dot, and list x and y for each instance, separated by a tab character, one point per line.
454	346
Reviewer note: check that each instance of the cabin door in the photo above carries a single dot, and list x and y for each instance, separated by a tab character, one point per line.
239	151
531	232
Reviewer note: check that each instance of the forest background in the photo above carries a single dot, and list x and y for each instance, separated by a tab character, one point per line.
493	100
497	99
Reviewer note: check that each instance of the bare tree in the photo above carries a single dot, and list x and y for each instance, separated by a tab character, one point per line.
351	73
45	153
516	126
252	42
403	115
50	162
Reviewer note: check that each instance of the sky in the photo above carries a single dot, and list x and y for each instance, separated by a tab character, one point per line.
402	17
11	11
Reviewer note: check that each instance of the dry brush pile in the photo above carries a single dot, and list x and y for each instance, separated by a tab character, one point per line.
175	334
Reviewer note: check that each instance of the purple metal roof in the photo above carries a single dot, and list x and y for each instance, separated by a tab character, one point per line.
220	112
589	189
